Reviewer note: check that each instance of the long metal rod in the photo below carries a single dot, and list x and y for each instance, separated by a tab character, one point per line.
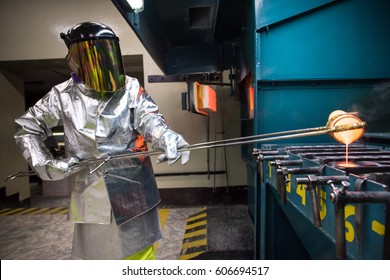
244	138
235	141
276	136
19	174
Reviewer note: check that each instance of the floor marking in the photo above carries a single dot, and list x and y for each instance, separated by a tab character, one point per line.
5	210
195	236
163	214
12	211
28	210
33	211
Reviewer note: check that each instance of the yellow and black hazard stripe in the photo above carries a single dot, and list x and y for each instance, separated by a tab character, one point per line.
195	237
33	211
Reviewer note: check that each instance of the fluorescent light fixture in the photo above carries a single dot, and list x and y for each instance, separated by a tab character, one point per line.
58	134
136	5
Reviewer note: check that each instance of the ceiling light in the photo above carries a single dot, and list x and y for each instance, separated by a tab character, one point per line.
136	5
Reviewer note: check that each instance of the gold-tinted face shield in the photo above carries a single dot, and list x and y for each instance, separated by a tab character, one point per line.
98	63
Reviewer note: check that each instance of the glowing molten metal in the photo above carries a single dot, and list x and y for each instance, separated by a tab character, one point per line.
347	137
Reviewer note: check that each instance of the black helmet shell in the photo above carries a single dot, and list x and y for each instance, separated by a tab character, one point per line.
87	31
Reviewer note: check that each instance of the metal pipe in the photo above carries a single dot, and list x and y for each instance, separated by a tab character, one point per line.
341	197
360	197
268	137
320	180
315	205
279	163
272	134
312	181
281	182
207	172
341	250
282	135
305	170
314	197
359	214
324	148
342	153
19	174
340	200
235	141
282	179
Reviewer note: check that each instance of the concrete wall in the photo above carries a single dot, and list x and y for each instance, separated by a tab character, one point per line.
11	161
30	31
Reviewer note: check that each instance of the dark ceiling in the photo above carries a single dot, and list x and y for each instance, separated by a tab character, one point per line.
188	36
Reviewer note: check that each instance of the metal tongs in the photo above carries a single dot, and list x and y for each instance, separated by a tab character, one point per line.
19	174
267	137
283	135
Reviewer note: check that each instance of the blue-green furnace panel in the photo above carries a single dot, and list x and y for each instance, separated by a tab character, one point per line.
307	59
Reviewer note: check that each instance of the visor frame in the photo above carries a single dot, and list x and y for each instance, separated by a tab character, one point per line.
98	63
87	31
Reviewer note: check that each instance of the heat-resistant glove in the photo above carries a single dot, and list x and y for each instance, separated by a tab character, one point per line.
57	169
171	142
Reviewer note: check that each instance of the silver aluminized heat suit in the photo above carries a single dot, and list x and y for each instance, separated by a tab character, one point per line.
95	126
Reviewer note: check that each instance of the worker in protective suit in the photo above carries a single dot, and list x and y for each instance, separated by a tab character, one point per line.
103	112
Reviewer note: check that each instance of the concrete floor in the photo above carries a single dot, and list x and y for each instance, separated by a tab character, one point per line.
26	234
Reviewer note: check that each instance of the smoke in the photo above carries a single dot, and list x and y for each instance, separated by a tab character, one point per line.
375	104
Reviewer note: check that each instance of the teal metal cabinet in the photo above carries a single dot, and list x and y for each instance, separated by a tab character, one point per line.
307	59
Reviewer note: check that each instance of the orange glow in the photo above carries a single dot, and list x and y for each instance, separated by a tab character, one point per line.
205	99
251	98
251	102
347	164
347	137
339	117
141	90
139	146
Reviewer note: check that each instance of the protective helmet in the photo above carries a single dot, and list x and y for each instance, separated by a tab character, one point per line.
94	56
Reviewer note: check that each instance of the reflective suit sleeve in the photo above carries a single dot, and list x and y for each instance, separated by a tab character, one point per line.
32	130
151	124
147	119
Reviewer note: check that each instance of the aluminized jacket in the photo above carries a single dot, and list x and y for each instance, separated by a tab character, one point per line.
96	126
